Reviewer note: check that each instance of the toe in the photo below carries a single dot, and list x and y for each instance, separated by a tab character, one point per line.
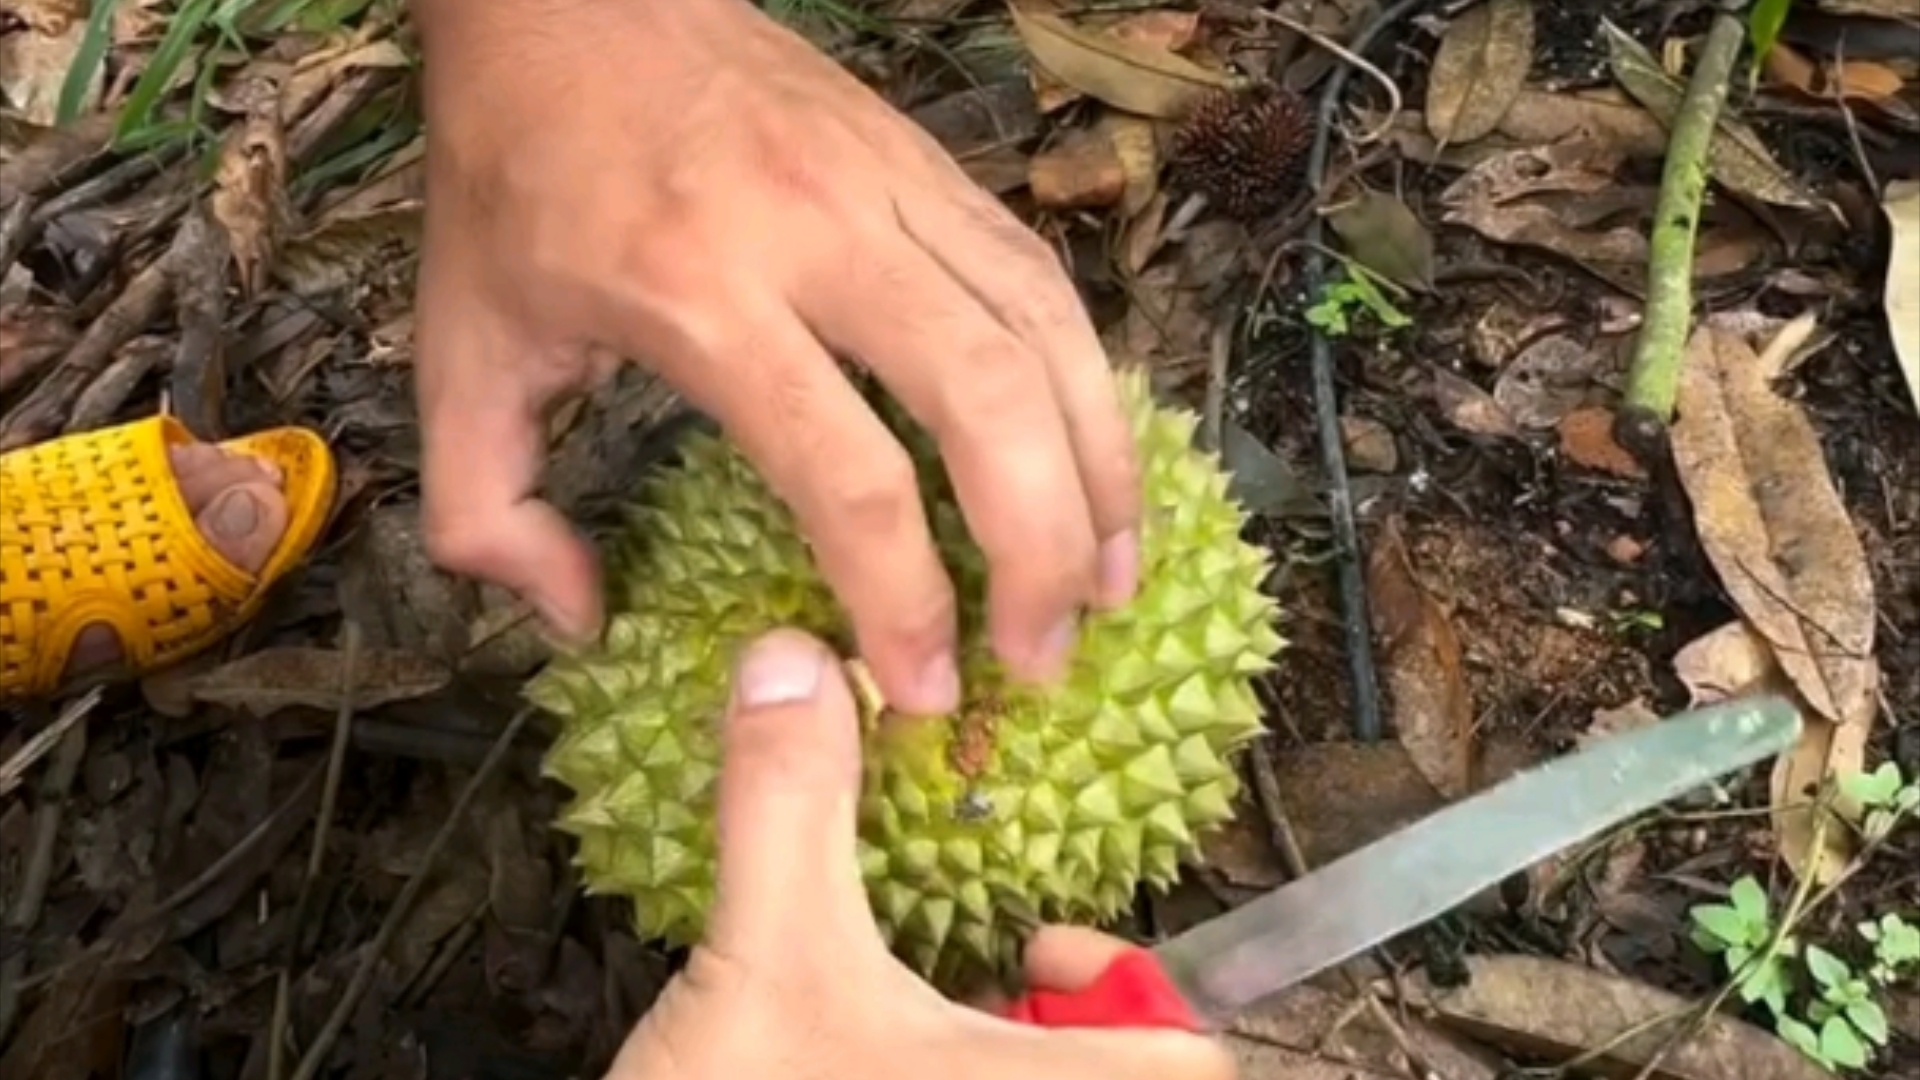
96	648
245	522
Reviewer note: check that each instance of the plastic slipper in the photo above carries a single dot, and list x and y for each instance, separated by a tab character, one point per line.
94	530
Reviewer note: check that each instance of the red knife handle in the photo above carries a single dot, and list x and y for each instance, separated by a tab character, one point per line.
1133	991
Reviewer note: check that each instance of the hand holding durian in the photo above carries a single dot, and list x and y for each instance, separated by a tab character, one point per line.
793	979
693	186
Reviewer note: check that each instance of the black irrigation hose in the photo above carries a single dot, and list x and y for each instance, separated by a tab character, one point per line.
1353	586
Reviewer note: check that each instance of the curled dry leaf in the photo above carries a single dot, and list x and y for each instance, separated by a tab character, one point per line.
1779	537
1136	77
1537	1007
1479	69
1420	654
1470	408
1735	157
1901	205
299	676
249	197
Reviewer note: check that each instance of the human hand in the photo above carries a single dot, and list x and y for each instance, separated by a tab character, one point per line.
694	186
794	979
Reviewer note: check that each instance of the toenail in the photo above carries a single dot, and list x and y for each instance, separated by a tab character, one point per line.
235	516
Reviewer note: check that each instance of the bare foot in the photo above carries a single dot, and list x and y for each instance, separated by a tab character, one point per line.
237	503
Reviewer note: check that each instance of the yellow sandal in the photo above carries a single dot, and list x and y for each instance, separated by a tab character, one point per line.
93	530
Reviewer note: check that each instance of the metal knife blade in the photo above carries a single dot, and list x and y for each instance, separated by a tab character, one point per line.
1229	963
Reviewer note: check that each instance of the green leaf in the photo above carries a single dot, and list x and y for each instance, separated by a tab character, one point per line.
1868	1019
1763	25
1876	788
86	61
182	28
1828	969
1841	1045
1750	900
1721	921
1801	1037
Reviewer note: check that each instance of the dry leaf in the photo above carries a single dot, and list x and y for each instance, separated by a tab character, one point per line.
1780	538
1139	152
1309	1033
1725	663
1547	381
1735	157
1479	69
249	196
1383	235
1586	437
1854	80
1081	171
340	250
1342	796
298	676
1901	204
1470	408
1146	79
1581	164
36	55
1420	655
1557	221
1537	1007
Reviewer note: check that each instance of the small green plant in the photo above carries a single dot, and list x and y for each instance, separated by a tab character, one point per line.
1842	1022
1358	290
1763	27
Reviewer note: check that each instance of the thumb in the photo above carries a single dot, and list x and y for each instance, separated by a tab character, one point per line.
788	794
480	392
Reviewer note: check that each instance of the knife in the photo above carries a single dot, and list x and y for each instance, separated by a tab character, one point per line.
1201	979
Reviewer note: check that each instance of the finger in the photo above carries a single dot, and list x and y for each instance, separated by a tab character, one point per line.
852	489
1017	277
481	452
1068	958
989	403
788	791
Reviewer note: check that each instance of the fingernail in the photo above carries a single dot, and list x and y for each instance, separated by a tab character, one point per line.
1058	643
234	516
779	669
1119	567
940	682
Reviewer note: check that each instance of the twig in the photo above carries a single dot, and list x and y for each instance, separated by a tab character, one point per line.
37	747
1395	102
1266	792
101	401
33	883
1653	382
329	795
363	975
1213	407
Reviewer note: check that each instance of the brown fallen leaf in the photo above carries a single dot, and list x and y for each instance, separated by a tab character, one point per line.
1384	235
1544	223
1146	79
31	338
1470	408
1138	149
1081	171
1420	655
1478	70
1586	437
1779	536
300	676
249	197
1311	1033
1736	157
1504	328
36	55
1539	1007
1581	164
1548	380
1843	80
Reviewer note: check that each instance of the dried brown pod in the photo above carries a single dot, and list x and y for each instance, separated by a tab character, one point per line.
1245	150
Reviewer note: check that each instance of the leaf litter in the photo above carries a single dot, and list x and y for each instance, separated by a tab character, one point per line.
1527	591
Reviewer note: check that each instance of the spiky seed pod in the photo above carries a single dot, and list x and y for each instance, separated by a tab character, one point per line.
1244	150
1051	803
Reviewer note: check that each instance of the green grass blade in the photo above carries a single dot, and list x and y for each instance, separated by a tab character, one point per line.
87	61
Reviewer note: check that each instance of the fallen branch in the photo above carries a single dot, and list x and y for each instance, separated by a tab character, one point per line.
1653	382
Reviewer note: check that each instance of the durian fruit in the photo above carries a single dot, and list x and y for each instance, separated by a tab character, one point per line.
1033	803
1245	150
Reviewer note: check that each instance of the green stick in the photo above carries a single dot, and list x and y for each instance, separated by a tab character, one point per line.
1654	380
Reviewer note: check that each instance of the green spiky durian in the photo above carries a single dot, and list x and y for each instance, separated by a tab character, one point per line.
1031	804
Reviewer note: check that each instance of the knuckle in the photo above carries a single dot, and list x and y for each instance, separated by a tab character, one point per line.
878	498
454	542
